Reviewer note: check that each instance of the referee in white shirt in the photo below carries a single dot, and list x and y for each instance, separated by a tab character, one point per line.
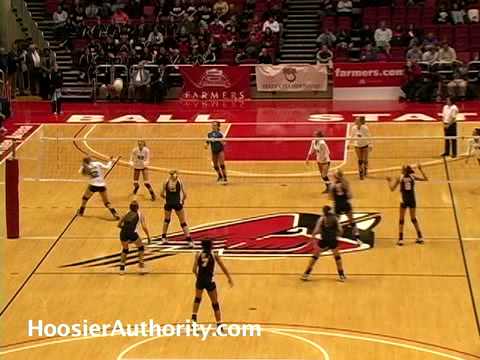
449	118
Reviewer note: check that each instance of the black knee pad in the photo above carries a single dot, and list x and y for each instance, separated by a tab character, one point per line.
401	222
216	306
216	167
197	300
85	198
325	178
338	258
414	221
166	221
125	251
141	248
184	224
222	167
315	256
147	185
107	204
360	162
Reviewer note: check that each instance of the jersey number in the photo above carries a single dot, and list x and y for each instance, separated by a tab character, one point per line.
204	261
93	173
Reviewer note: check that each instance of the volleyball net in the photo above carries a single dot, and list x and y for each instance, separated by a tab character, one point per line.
248	159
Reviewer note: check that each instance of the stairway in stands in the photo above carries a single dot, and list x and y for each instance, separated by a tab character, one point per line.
73	88
301	31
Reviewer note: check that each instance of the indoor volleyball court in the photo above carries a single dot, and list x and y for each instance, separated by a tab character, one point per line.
411	302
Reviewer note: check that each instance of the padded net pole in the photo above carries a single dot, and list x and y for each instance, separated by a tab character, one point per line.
12	195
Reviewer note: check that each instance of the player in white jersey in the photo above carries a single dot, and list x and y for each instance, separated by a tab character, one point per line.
360	140
320	148
139	160
474	146
96	183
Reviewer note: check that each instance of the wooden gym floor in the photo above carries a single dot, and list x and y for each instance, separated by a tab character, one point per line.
415	302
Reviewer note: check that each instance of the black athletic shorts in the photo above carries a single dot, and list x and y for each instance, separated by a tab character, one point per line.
132	237
95	189
205	284
328	243
342	207
170	207
408	203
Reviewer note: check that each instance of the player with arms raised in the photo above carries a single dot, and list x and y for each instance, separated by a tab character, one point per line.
406	181
94	170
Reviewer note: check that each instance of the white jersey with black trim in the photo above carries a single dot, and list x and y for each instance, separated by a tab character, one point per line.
95	171
360	136
320	148
140	159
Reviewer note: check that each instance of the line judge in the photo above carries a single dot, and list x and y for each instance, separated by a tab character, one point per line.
449	119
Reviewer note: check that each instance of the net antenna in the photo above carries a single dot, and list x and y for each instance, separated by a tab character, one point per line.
12	204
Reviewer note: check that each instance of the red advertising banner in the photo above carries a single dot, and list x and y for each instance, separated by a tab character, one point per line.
215	82
369	74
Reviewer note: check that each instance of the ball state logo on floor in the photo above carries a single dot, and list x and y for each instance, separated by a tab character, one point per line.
273	235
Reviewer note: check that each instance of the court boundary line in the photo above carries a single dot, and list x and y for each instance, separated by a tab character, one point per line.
462	247
302	327
24	141
49	250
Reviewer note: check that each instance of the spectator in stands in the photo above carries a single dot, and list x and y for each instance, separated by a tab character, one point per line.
155	38
457	14
59	19
4	61
120	17
344	7
34	62
13	65
368	53
177	12
414	53
413	80
366	35
457	87
442	16
383	36
92	10
326	38
327	7
430	40
86	64
430	55
343	40
325	56
411	36
473	14
398	37
221	8
56	83
209	57
272	24
264	57
139	86
446	53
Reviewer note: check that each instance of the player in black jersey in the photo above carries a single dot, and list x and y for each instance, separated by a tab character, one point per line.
129	224
174	194
217	146
329	230
204	268
341	196
407	190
